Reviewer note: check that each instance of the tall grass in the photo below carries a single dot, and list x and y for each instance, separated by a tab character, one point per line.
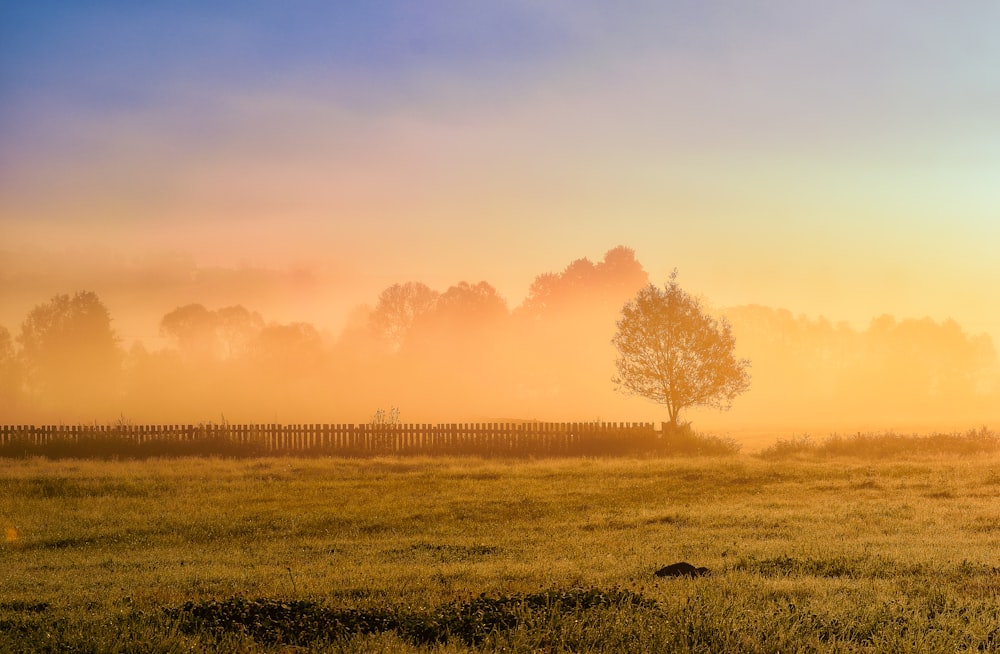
472	554
887	445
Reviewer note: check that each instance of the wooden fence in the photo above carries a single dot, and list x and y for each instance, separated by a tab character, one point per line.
365	439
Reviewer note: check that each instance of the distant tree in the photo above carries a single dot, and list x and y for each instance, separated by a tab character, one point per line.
672	352
192	328
620	271
202	335
398	307
542	295
469	305
568	313
236	327
586	286
579	274
70	352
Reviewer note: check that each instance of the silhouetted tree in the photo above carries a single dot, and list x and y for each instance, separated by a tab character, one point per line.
398	307
202	335
567	314
192	328
70	352
893	372
236	327
469	305
620	271
586	286
672	352
542	295
917	366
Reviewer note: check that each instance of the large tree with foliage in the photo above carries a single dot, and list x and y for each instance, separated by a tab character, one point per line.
398	308
672	352
70	352
203	335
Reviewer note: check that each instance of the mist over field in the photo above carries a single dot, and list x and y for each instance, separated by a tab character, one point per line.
309	215
197	343
508	326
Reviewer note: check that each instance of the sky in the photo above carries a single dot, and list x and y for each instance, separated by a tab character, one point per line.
832	159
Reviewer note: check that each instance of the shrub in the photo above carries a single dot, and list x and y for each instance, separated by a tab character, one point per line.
682	440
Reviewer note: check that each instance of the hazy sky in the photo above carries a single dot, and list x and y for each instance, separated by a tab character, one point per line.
834	158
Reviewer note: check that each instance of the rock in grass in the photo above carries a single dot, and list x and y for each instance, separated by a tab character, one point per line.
682	569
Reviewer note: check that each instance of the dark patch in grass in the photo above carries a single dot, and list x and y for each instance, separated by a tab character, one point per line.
374	529
984	525
65	543
615	524
858	568
22	606
71	488
973	569
479	476
393	468
334	526
451	552
838	566
300	622
129	538
523	509
673	519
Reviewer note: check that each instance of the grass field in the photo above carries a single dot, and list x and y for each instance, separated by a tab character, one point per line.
422	554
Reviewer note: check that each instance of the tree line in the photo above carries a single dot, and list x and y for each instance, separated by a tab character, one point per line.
462	353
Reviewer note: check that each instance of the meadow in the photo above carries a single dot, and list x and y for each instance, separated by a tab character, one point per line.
809	551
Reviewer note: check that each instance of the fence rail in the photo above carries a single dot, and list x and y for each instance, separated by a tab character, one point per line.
442	438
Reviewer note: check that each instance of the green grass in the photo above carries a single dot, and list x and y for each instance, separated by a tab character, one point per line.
449	555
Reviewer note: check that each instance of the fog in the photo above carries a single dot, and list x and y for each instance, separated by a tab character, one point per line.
162	338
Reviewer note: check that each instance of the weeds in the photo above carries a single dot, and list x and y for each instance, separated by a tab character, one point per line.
382	418
886	445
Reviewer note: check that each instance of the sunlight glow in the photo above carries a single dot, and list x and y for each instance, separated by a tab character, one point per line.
820	175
